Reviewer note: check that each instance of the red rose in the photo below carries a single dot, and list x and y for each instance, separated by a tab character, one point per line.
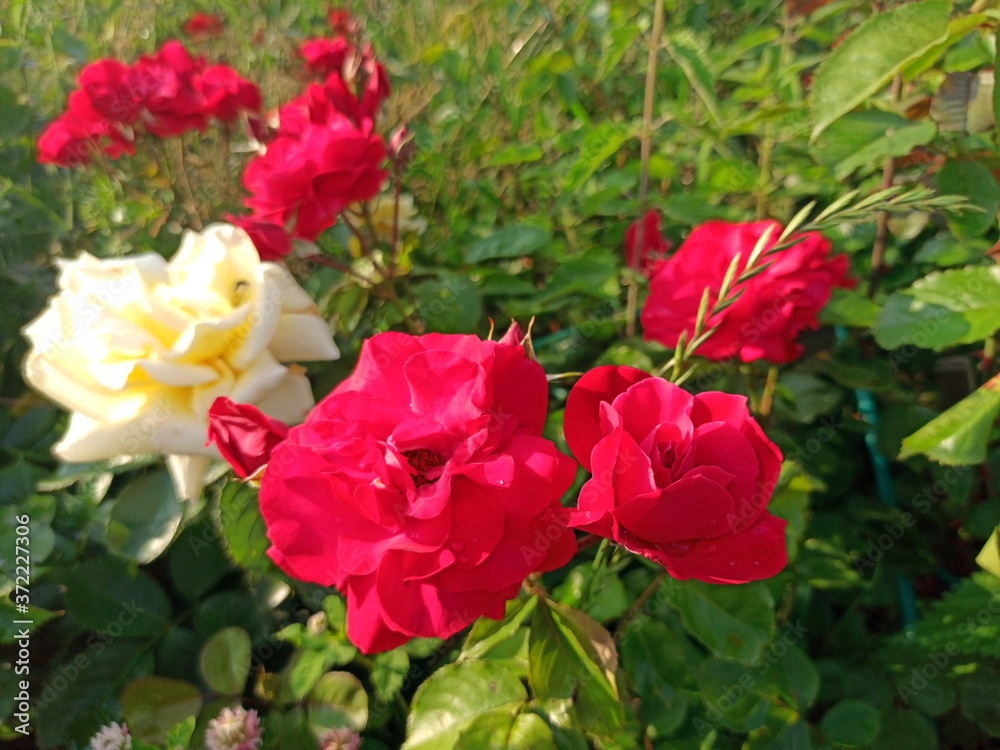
422	487
108	90
775	306
164	85
245	436
322	160
70	139
654	247
683	480
271	240
325	56
226	94
204	25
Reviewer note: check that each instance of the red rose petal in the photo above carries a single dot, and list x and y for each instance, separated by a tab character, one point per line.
582	418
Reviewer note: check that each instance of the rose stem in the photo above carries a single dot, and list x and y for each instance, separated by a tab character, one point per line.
647	132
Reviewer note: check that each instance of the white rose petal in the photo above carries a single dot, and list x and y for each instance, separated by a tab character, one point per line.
138	348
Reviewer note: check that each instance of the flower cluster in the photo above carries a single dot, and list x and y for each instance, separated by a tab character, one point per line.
325	154
164	94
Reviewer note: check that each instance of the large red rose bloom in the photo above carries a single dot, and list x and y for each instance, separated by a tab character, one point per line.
774	307
683	480
421	487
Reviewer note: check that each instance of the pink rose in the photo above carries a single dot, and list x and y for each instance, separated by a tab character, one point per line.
682	480
775	306
654	248
244	435
421	487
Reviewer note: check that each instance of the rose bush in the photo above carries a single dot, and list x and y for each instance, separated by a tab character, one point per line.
775	305
138	349
421	486
683	480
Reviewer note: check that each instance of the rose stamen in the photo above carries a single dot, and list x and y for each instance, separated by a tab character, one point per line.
421	461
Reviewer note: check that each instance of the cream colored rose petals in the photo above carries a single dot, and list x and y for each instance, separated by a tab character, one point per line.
138	349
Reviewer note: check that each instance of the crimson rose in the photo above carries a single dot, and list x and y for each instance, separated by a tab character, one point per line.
683	480
421	487
775	306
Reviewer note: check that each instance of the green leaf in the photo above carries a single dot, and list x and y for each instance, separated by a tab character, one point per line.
179	737
487	633
989	557
389	673
152	706
197	561
897	141
225	661
723	684
98	674
977	184
102	594
951	623
847	308
145	517
979	698
731	621
996	89
509	242
599	144
451	699
563	664
516	153
850	723
449	304
795	678
905	729
337	700
957	29
505	729
243	529
869	58
957	306
9	613
958	436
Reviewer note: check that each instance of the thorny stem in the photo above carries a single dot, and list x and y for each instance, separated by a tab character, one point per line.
647	132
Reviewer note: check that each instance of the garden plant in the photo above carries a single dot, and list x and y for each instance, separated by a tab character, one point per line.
553	374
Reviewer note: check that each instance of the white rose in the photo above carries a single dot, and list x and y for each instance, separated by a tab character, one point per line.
138	349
